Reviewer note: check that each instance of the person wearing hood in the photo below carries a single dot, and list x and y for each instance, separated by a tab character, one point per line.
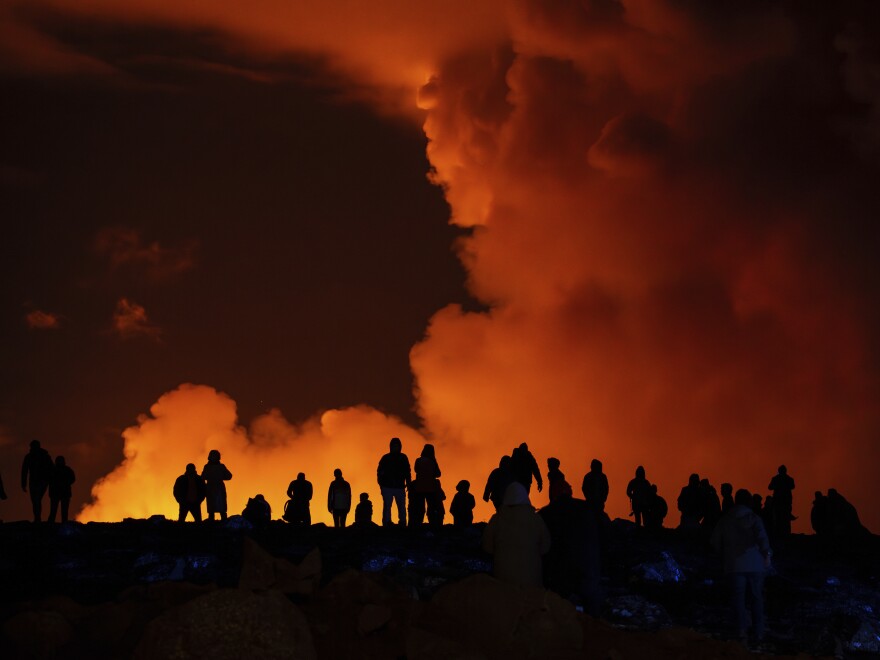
215	473
517	538
742	541
190	491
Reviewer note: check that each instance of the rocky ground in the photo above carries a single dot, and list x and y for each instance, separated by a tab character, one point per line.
153	588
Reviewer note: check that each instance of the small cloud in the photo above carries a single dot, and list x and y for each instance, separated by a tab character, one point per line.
130	320
126	249
40	320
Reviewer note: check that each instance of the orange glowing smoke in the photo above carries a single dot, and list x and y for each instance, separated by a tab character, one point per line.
656	258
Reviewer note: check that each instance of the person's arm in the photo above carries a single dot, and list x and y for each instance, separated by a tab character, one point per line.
408	474
330	498
25	464
536	471
227	475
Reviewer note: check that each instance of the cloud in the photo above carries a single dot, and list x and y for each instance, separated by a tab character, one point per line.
126	251
130	321
40	320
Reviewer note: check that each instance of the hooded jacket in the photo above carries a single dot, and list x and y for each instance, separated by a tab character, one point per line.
742	541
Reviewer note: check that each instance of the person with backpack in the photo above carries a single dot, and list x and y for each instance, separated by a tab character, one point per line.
339	498
298	510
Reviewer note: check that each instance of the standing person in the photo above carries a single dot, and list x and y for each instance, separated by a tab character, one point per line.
595	486
298	510
711	505
339	498
60	489
393	475
215	474
741	539
525	467
517	538
638	490
690	503
782	484
190	491
726	497
36	473
463	503
499	479
425	492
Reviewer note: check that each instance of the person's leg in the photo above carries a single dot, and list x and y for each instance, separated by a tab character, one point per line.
307	516
342	516
37	504
196	511
400	497
181	512
738	588
65	509
756	586
387	498
53	509
638	516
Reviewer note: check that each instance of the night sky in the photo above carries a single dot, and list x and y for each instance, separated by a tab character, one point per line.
642	231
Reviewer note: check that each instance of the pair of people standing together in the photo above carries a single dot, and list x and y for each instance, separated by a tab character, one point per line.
192	488
425	493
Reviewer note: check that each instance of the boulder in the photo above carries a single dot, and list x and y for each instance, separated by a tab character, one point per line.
507	621
37	634
227	624
260	570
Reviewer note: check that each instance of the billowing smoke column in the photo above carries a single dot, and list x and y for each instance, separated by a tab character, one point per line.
672	207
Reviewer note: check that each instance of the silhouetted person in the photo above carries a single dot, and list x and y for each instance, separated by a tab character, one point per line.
770	518
257	511
339	498
819	515
525	467
215	475
690	503
190	491
298	510
742	541
638	490
363	512
726	497
463	503
60	489
757	504
499	479
843	518
657	510
710	504
557	486
36	473
782	484
572	565
517	537
393	475
595	486
425	492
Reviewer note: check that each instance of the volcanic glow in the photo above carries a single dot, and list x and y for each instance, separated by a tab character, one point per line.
669	222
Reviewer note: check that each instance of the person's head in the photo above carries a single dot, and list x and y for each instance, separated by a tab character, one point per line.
783	469
301	476
395	445
757	499
35	444
515	495
365	497
463	486
743	497
819	495
704	483
832	492
213	455
259	496
428	451
59	461
190	468
595	465
553	463
523	446
726	489
654	488
640	472
504	462
694	480
337	473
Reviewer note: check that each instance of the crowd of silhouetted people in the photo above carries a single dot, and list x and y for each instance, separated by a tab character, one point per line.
557	546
